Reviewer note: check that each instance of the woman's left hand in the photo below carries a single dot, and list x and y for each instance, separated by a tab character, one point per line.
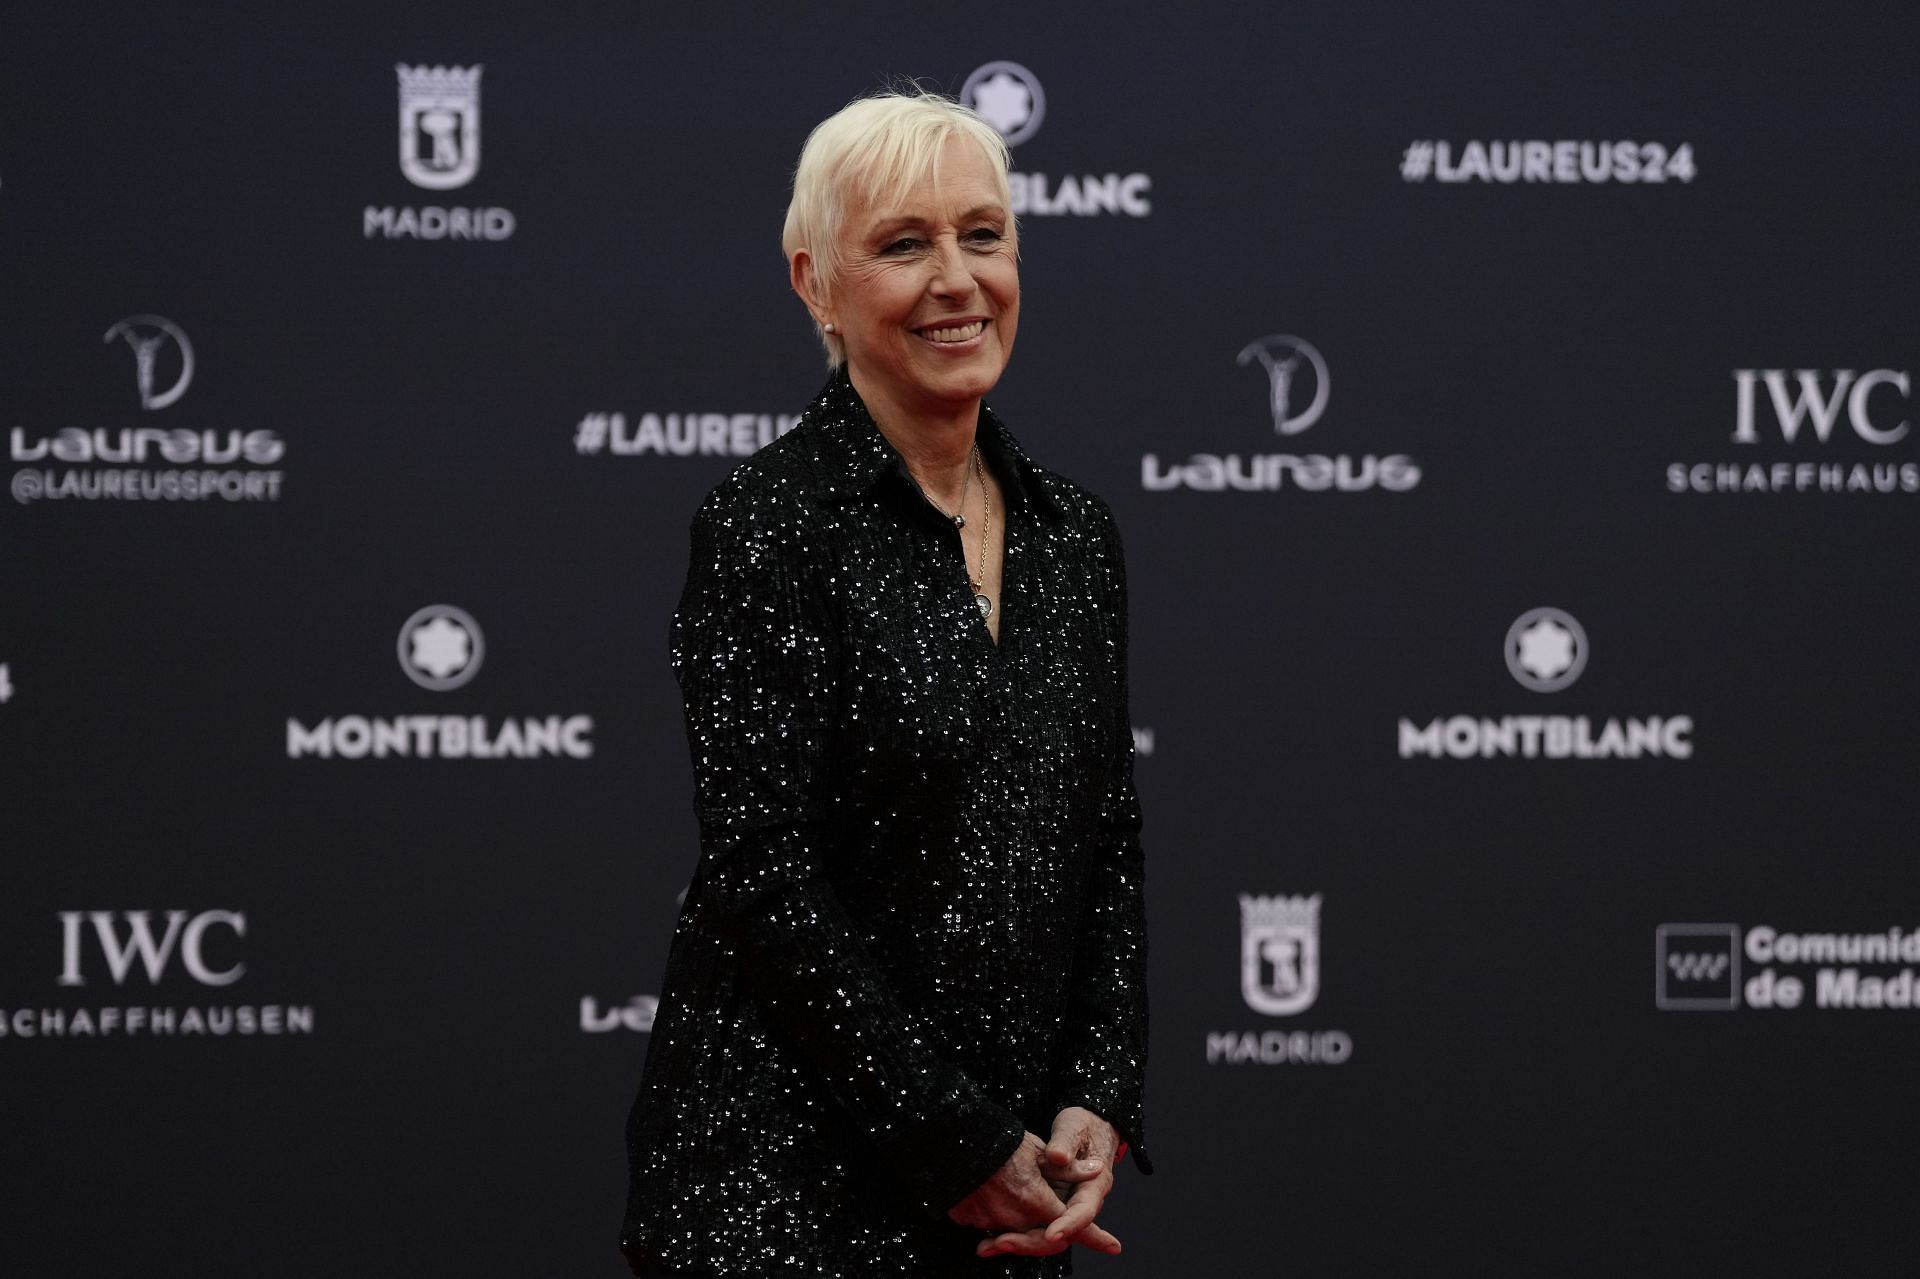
1079	1156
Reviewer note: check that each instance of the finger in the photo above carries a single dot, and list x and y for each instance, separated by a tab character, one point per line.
1077	1170
1022	1243
1069	1139
1097	1238
1081	1209
1039	1203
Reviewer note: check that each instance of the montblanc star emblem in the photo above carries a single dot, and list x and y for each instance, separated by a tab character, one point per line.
1546	649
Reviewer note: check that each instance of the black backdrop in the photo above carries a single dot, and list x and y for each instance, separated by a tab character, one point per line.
393	1007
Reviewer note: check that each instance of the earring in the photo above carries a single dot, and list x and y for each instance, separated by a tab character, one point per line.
828	326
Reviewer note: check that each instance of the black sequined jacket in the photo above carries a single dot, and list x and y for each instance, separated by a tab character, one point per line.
917	927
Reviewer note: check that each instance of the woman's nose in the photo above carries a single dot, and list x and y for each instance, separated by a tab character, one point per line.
951	278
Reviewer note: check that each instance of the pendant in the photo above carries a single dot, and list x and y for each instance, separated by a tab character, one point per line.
986	606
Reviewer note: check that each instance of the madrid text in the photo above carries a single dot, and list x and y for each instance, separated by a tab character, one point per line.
387	222
1279	1047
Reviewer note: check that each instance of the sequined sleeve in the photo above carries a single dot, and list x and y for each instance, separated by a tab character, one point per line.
1106	1030
755	651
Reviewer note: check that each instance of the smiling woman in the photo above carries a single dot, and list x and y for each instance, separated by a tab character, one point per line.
921	290
915	940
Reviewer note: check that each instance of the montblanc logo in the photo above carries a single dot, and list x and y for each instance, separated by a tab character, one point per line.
183	950
104	464
1546	651
441	649
1299	388
1279	977
1010	98
1007	96
1809	409
148	336
439	151
1699	968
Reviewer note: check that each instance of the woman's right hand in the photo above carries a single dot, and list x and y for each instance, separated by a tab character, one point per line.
1019	1199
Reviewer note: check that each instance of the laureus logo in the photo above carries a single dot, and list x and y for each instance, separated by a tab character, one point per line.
1007	96
150	337
1296	376
1546	649
439	125
441	647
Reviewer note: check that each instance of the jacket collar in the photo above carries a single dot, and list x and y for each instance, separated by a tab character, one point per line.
851	455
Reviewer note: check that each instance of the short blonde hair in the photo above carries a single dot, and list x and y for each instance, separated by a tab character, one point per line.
870	149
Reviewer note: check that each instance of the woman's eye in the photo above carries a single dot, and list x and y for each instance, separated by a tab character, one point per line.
983	235
906	244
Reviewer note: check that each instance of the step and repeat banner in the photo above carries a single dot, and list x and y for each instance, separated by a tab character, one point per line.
1510	416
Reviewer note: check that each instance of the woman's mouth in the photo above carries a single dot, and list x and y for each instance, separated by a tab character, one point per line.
952	334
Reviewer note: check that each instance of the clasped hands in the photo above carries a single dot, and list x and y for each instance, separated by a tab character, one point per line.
1047	1195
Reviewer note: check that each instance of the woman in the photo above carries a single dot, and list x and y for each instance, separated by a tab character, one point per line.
916	940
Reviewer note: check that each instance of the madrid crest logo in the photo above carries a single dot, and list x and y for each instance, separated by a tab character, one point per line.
439	125
1279	953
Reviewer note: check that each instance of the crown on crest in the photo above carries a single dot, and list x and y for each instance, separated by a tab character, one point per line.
1279	912
438	82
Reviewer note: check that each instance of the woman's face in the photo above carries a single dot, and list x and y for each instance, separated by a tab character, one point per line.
929	293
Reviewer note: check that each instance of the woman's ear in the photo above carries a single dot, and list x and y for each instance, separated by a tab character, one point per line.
807	285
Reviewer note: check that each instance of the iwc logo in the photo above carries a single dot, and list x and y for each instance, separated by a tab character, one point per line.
441	647
1808	410
439	125
153	959
1279	953
1546	649
1007	96
149	336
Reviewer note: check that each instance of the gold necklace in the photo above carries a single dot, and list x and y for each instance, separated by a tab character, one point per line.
979	579
980	598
